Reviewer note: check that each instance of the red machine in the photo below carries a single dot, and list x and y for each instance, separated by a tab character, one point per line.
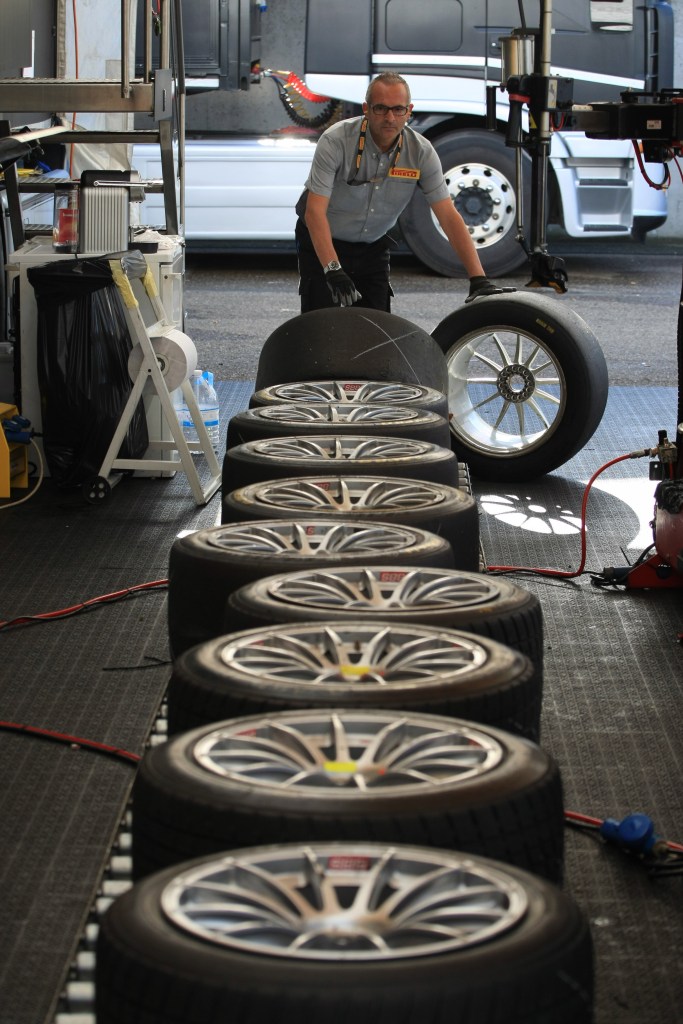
657	121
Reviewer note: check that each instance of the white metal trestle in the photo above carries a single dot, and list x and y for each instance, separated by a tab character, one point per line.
147	321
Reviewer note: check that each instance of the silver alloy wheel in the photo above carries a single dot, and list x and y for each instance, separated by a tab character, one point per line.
353	653
439	508
311	537
507	392
342	750
343	901
356	392
485	199
348	494
337	412
383	588
340	447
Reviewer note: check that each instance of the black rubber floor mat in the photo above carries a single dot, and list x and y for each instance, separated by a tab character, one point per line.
99	674
612	712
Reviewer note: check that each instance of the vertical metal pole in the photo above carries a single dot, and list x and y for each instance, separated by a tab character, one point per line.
180	96
546	28
13	199
168	175
539	175
519	193
125	55
147	75
166	125
165	49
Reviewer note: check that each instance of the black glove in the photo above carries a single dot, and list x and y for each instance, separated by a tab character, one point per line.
482	286
342	287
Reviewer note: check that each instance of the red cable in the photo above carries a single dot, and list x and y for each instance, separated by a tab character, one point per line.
584	503
583	819
102	748
116	595
678	166
666	180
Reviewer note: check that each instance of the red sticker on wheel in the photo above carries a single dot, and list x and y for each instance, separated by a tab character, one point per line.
391	577
341	862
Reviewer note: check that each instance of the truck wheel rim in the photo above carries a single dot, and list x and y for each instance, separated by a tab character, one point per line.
358	392
382	588
340	448
485	199
312	538
344	902
348	494
352	654
507	393
347	750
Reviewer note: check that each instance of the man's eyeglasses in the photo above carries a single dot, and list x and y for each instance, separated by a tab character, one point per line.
380	109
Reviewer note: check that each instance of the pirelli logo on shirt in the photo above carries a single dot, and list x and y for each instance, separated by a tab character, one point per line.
410	173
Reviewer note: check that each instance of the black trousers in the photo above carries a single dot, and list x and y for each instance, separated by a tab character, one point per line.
366	264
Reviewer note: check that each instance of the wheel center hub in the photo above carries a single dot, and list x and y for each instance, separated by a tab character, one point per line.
516	383
474	205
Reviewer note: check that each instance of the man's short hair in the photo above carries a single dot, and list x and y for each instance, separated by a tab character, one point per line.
387	78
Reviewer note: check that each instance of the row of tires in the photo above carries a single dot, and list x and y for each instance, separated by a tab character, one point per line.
525	377
352	817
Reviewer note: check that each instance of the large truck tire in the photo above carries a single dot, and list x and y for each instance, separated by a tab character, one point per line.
480	172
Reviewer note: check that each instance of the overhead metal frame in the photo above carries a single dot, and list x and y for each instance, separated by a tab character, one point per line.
159	93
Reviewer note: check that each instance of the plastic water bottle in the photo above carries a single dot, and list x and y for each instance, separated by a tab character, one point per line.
208	407
207	400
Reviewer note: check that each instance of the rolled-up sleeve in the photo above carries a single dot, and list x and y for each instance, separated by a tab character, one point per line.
431	177
327	164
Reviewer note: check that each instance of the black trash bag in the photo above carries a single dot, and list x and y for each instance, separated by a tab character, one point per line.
82	348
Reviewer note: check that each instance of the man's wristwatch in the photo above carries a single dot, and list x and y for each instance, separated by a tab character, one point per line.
332	265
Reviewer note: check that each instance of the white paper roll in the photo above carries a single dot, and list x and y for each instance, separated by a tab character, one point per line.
175	353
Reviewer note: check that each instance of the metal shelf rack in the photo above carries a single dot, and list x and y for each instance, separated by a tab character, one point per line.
160	92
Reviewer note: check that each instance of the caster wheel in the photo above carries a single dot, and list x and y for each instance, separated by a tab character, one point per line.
96	490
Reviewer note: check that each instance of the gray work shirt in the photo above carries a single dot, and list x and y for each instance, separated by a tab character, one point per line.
364	212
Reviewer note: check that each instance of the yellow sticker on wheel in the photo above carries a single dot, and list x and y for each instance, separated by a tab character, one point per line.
347	767
357	670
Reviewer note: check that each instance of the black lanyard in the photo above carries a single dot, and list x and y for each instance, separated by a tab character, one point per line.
359	156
